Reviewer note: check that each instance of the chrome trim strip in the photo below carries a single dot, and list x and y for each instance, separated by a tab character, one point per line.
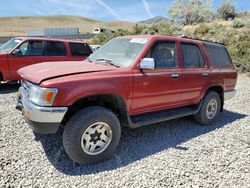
39	113
229	94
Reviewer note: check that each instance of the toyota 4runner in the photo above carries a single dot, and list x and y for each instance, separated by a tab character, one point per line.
130	81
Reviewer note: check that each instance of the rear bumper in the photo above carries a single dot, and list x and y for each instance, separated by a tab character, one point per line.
229	94
43	120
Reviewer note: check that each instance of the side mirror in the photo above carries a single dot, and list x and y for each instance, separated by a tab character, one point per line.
147	63
16	52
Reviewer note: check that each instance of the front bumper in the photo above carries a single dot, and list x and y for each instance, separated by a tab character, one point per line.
43	120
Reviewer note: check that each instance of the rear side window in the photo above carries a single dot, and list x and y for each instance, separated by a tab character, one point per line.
80	49
191	56
55	48
217	54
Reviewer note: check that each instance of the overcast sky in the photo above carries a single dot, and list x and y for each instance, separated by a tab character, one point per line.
105	10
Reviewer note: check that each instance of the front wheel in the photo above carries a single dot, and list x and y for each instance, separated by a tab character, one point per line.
91	135
210	108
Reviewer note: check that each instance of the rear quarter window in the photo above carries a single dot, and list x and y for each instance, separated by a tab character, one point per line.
54	48
217	54
80	49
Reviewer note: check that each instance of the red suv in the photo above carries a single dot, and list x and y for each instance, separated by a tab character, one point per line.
23	51
130	81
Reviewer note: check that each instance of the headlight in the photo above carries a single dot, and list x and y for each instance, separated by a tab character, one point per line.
42	96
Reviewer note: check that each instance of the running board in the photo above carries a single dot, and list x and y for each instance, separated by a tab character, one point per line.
163	115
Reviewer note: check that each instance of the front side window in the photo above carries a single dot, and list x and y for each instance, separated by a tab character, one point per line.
54	48
31	48
164	55
119	51
23	48
80	49
191	56
8	46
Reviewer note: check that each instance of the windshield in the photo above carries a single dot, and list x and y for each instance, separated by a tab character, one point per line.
119	51
8	46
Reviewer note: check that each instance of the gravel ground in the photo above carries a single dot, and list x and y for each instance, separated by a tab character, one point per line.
177	153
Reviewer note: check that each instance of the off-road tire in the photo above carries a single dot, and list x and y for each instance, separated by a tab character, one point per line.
201	117
76	127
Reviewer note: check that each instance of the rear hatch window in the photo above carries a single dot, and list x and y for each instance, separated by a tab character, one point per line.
218	54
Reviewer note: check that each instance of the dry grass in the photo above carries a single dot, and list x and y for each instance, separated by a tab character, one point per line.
16	26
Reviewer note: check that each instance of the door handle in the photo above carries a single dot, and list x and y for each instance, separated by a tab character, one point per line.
205	74
175	75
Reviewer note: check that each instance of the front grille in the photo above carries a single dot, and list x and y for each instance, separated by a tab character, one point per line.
25	85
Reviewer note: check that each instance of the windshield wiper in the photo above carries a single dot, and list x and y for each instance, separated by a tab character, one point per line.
108	61
104	59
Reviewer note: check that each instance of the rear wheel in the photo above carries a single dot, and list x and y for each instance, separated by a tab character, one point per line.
210	108
91	135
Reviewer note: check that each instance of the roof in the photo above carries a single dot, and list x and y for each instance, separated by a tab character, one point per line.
49	39
206	41
176	38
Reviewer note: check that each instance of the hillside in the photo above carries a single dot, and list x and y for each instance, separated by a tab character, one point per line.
154	20
13	26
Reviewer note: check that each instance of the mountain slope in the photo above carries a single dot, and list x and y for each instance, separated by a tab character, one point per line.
15	26
154	20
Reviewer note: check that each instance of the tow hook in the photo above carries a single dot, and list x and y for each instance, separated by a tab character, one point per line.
19	105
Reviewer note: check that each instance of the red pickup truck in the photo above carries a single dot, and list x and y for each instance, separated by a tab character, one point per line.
23	51
130	81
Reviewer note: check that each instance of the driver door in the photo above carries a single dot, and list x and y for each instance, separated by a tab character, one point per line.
159	88
28	53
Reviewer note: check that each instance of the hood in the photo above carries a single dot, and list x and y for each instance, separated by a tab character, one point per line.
44	71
